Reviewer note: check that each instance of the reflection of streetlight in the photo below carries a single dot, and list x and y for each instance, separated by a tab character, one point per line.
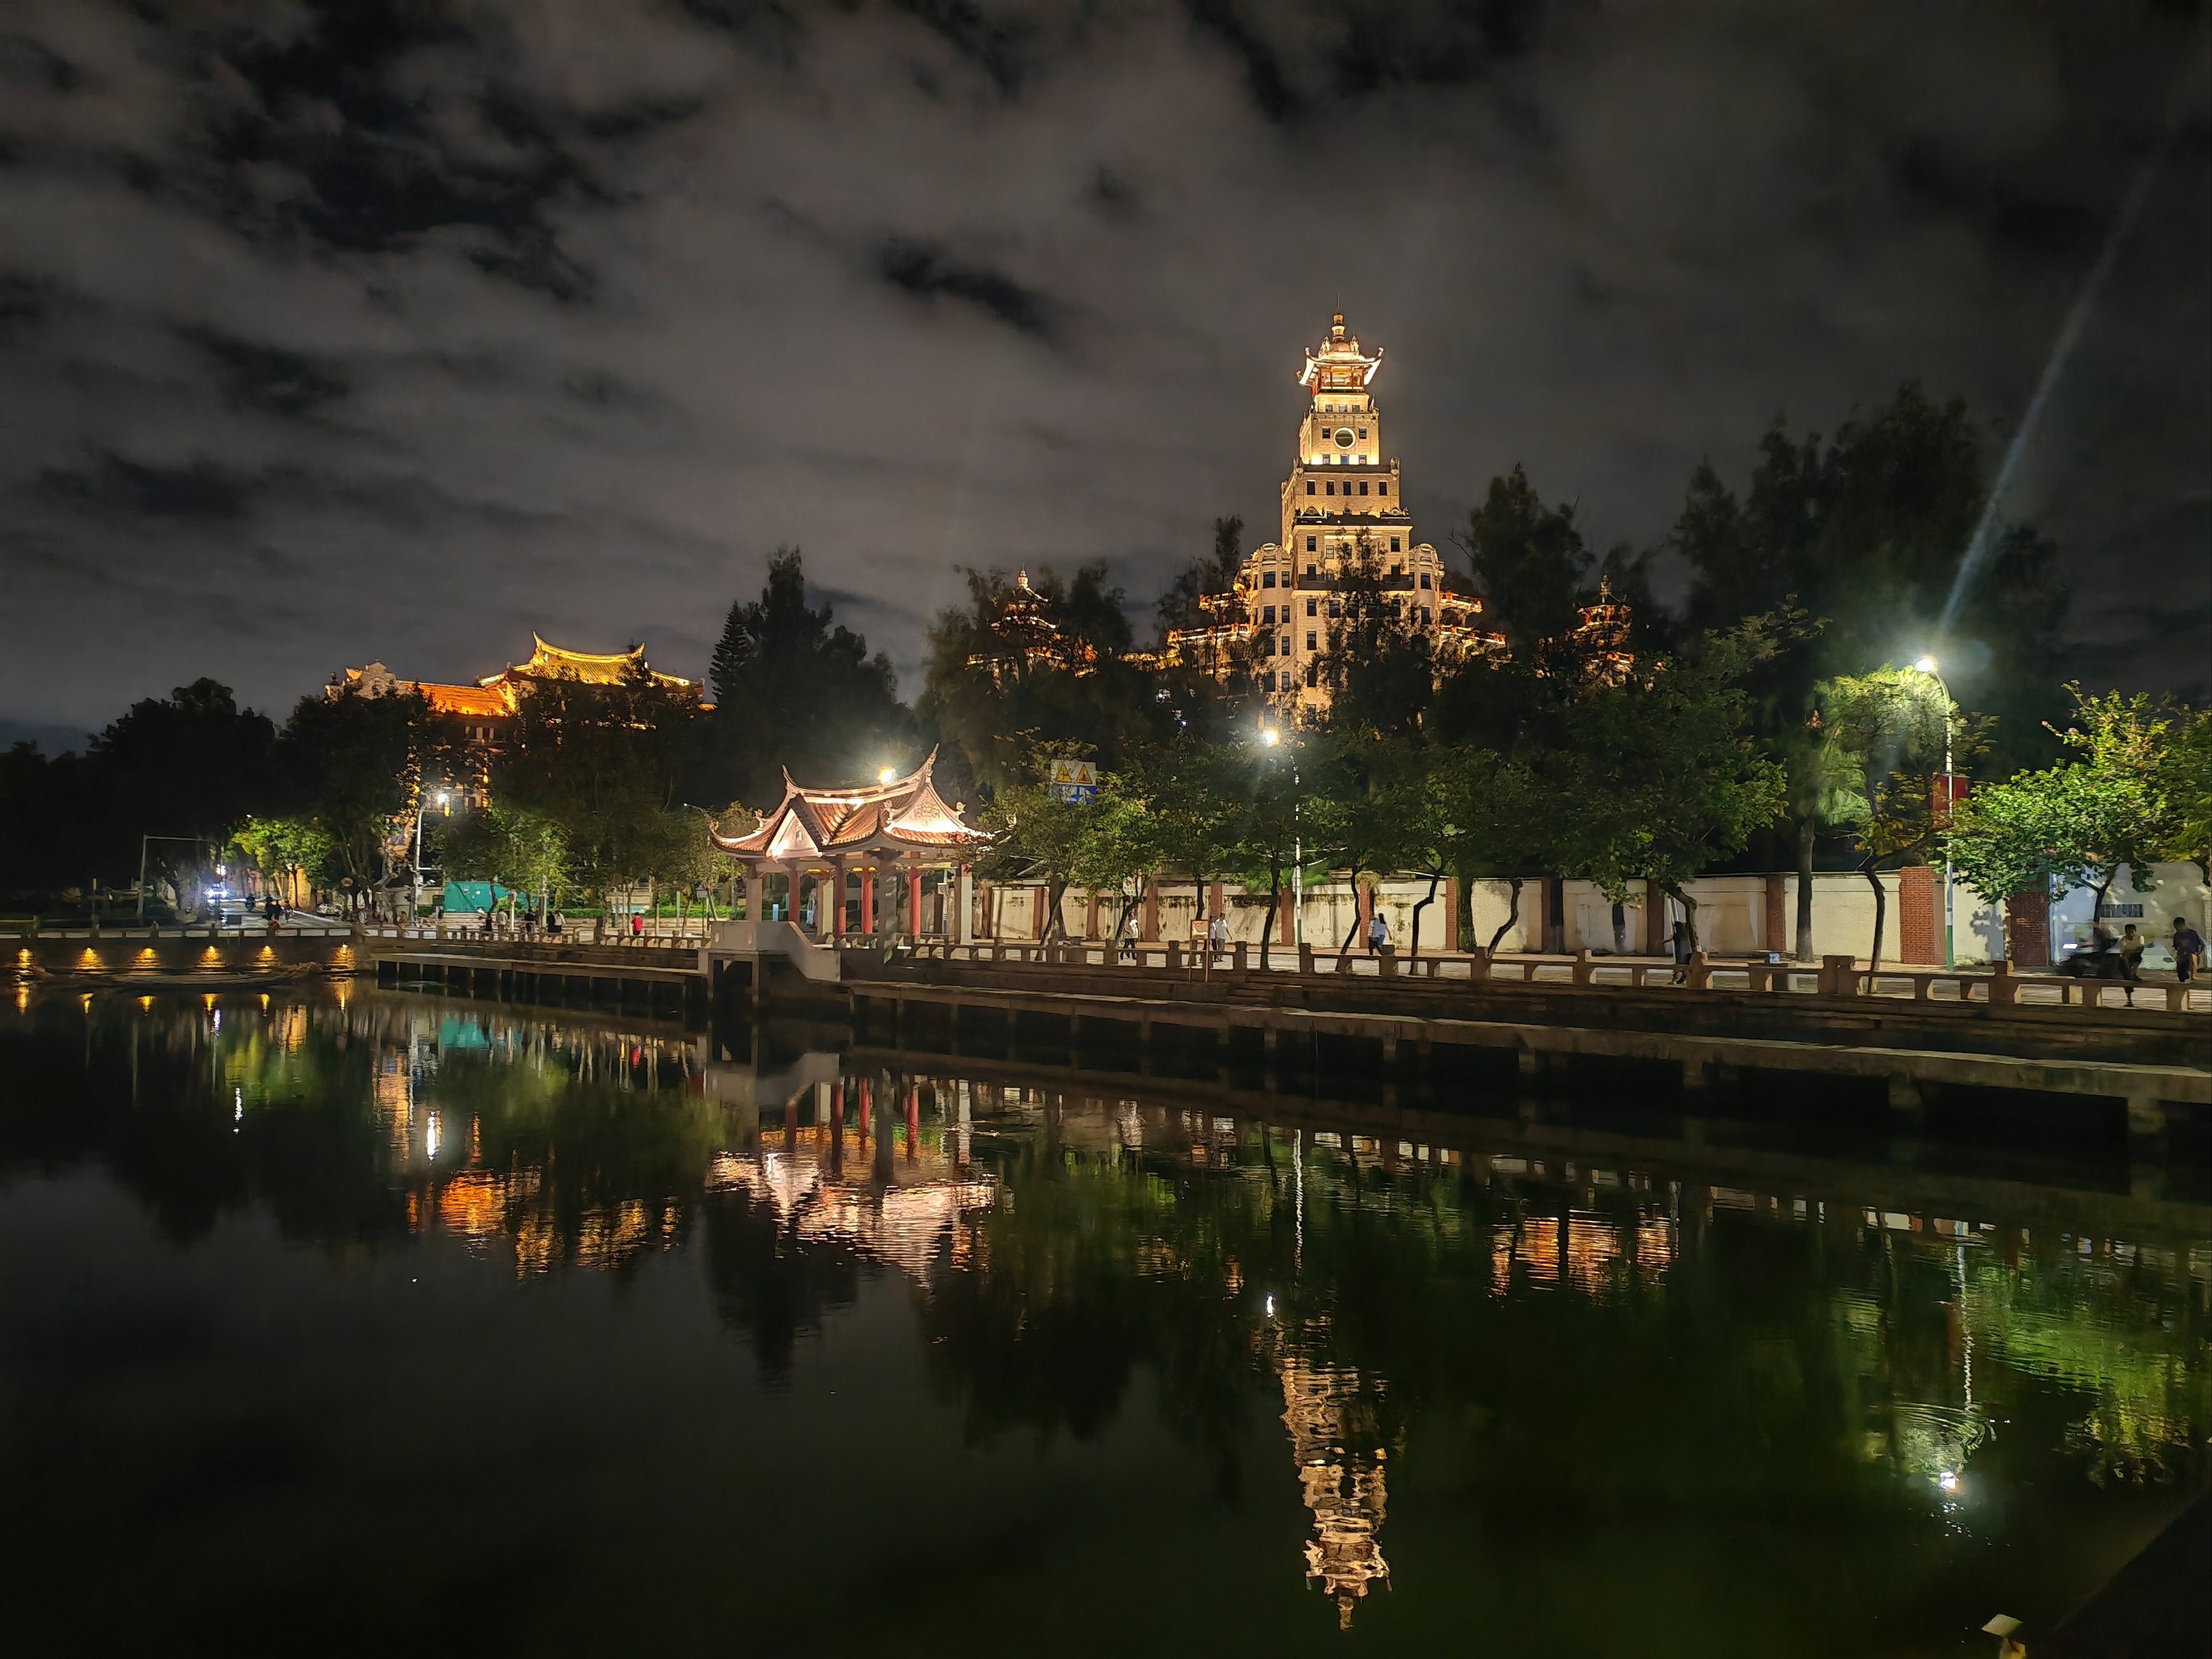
1926	665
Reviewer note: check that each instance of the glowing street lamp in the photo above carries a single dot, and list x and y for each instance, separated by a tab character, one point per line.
1926	665
1271	736
889	774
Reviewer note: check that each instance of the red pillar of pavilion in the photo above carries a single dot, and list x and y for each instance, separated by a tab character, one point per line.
913	902
867	901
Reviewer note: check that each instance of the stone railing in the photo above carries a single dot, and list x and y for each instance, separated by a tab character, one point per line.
1833	977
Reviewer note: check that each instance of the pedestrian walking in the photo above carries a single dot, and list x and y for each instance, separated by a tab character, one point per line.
1218	934
2188	950
637	924
1129	937
1679	943
1378	934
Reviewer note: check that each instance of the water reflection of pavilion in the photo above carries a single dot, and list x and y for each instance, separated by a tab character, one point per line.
868	1174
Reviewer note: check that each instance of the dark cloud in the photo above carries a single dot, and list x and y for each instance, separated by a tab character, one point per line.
268	377
196	489
417	324
997	46
1264	76
923	269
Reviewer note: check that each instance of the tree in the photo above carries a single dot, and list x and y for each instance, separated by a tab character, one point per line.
1659	776
352	765
602	763
1890	728
519	849
188	766
1380	674
1529	559
1030	667
1866	532
289	851
795	689
1278	798
1037	836
2080	822
2184	778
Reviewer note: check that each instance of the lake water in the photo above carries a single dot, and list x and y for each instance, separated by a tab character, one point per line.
364	1321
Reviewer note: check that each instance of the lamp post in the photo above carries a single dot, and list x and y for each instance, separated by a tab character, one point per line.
1270	737
442	798
1927	665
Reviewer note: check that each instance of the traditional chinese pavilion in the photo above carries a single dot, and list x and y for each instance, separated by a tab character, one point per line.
885	836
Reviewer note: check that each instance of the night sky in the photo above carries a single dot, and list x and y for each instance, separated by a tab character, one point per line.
338	332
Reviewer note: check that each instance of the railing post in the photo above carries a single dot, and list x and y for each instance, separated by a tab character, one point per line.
2004	990
1838	976
1580	971
1174	955
1242	958
1699	975
1478	964
1305	958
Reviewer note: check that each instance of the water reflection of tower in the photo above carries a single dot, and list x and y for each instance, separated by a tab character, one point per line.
1334	1415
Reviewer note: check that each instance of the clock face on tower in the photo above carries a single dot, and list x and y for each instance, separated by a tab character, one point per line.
1344	437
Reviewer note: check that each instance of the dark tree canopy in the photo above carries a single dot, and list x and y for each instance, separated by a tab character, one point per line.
794	688
1865	533
1019	669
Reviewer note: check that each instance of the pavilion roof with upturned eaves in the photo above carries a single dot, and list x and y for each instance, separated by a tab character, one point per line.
905	817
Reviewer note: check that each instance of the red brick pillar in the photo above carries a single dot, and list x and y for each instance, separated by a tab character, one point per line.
1452	940
1286	924
1654	921
1214	901
1090	916
1777	914
1915	915
1366	914
1044	901
1152	924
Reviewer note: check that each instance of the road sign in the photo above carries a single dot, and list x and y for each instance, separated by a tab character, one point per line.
1074	781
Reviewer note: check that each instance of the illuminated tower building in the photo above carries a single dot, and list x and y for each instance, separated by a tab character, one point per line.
1344	524
1337	1443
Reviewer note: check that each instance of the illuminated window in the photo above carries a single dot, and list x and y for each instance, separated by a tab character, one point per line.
1286	642
1310	638
1363	431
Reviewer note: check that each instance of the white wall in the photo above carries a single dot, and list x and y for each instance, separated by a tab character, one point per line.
1731	914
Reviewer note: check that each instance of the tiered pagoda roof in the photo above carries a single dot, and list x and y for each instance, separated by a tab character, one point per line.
906	815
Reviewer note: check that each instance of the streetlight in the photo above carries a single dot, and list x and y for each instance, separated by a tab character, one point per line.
442	798
1927	665
889	774
1270	737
